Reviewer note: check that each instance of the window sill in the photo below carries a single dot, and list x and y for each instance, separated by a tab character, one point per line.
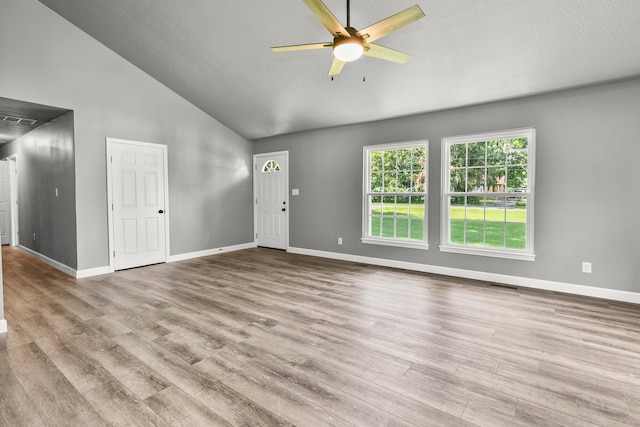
395	242
521	256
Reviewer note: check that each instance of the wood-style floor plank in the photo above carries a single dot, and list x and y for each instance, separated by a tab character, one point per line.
262	337
53	396
17	407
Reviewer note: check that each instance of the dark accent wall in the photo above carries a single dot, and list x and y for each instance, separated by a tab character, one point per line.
587	197
47	221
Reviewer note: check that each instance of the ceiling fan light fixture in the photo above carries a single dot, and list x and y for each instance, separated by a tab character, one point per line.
350	44
348	49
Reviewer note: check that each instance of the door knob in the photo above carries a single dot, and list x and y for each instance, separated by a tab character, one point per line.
283	209
160	211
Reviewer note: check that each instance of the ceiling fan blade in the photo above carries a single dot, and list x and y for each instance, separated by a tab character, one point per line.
381	52
392	23
295	47
326	17
336	67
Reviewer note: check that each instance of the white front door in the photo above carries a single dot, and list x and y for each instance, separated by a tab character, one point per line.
271	184
138	204
5	203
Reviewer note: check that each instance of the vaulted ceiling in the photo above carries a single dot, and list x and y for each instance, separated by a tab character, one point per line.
217	55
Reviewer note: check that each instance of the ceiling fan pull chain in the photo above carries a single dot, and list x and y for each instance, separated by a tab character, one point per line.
364	71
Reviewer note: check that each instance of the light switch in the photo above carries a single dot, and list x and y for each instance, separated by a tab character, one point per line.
295	192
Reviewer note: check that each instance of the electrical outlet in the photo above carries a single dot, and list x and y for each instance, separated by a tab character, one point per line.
586	267
339	240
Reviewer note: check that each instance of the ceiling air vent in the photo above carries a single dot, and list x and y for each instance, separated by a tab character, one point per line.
20	120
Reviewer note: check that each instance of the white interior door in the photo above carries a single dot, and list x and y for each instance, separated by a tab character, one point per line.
138	203
271	184
5	203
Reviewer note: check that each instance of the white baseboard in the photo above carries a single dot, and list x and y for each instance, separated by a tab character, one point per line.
208	252
568	288
78	274
53	263
3	326
90	272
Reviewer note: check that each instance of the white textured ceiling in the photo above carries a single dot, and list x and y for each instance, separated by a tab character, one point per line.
216	54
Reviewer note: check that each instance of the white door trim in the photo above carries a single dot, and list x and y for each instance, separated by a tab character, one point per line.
109	142
12	164
13	188
255	193
8	208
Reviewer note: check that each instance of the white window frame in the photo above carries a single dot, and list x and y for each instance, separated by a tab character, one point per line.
526	254
398	242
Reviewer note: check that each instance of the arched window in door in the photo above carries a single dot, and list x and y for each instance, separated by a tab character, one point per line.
271	166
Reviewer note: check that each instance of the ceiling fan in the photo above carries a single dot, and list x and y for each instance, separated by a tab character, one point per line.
349	44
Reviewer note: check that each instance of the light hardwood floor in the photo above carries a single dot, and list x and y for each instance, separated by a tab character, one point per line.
263	337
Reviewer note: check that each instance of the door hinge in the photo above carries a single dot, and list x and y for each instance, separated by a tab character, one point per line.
256	235
256	201
114	254
111	159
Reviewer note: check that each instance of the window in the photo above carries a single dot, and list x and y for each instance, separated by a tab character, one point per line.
488	194
395	195
271	166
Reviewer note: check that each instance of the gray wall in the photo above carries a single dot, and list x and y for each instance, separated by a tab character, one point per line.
47	60
587	197
46	162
